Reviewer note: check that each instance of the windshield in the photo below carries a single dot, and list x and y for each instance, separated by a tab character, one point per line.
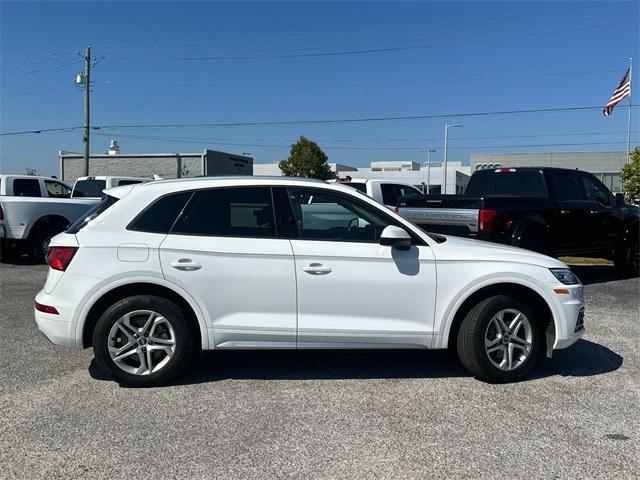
89	188
92	213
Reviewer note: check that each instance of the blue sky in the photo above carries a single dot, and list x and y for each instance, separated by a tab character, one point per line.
159	63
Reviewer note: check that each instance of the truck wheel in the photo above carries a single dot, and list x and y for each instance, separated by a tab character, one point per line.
143	341
499	339
626	259
38	245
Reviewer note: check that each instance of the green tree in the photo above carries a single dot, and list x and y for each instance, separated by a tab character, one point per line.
630	176
306	159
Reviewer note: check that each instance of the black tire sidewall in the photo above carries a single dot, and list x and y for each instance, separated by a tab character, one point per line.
169	310
487	309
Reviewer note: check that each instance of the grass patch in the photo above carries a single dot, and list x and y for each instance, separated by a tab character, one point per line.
585	261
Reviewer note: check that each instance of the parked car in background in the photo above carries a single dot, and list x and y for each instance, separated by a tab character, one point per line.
383	191
92	187
555	211
156	272
34	209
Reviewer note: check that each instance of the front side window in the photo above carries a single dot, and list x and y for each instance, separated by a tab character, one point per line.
26	187
229	212
322	215
57	189
594	190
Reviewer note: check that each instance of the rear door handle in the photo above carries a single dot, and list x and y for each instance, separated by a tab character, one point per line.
565	212
186	265
316	269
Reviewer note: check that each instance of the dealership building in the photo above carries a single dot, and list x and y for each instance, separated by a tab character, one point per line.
165	165
604	165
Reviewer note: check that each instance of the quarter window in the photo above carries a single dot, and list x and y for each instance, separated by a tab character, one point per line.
229	212
322	215
162	214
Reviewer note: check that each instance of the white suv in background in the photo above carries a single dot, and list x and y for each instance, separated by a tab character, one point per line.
158	271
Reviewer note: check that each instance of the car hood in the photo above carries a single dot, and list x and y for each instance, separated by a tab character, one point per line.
464	249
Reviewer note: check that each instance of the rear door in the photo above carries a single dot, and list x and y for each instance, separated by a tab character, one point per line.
352	291
573	232
224	251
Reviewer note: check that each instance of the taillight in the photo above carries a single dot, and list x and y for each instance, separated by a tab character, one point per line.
486	218
396	209
59	258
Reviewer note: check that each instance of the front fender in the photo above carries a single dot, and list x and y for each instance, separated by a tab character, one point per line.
452	307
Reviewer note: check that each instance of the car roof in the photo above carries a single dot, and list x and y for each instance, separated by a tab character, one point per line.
559	169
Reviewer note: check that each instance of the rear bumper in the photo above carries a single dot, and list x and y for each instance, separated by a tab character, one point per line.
59	329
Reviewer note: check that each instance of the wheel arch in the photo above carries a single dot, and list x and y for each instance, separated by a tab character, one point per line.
522	292
530	223
47	221
110	294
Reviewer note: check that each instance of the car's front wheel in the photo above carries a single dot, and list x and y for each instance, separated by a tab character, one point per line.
143	340
499	339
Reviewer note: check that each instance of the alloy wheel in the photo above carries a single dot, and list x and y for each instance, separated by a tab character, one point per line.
141	342
508	339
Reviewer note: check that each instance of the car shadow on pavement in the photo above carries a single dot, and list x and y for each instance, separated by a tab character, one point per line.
590	274
585	358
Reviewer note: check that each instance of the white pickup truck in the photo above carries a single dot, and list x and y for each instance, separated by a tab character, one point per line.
34	209
385	192
92	187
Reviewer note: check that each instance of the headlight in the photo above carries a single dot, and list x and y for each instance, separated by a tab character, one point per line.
565	275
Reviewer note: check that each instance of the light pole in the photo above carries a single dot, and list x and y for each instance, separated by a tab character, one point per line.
429	150
447	126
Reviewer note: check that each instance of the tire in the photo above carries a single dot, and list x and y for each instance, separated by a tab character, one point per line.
625	259
482	322
534	244
123	350
38	244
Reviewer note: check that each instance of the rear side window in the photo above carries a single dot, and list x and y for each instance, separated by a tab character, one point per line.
160	216
521	183
229	212
26	187
565	186
91	214
89	188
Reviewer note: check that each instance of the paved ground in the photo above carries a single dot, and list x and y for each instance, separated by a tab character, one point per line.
324	414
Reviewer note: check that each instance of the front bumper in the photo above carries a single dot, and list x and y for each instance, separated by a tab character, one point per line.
571	308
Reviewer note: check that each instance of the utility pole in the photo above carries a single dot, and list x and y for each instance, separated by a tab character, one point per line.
429	151
446	147
84	79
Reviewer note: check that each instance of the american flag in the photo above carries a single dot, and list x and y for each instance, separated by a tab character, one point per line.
622	90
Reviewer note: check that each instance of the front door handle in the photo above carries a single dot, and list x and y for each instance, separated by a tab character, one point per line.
186	265
565	212
316	269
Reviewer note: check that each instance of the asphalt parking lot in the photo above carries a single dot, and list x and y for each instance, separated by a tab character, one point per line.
324	414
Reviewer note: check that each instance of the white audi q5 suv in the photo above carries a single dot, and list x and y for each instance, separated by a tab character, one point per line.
159	271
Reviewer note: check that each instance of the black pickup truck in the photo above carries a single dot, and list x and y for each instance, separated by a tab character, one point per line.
555	211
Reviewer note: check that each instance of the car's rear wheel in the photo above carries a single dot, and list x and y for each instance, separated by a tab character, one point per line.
143	340
499	339
627	259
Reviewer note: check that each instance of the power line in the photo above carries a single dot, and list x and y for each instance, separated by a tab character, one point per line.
326	121
338	147
366	51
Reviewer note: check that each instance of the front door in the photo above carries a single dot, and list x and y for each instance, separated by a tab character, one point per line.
223	250
352	291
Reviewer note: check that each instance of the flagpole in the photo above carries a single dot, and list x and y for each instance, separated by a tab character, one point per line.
629	119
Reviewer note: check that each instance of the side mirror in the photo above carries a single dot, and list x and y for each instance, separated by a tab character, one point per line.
619	199
396	237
